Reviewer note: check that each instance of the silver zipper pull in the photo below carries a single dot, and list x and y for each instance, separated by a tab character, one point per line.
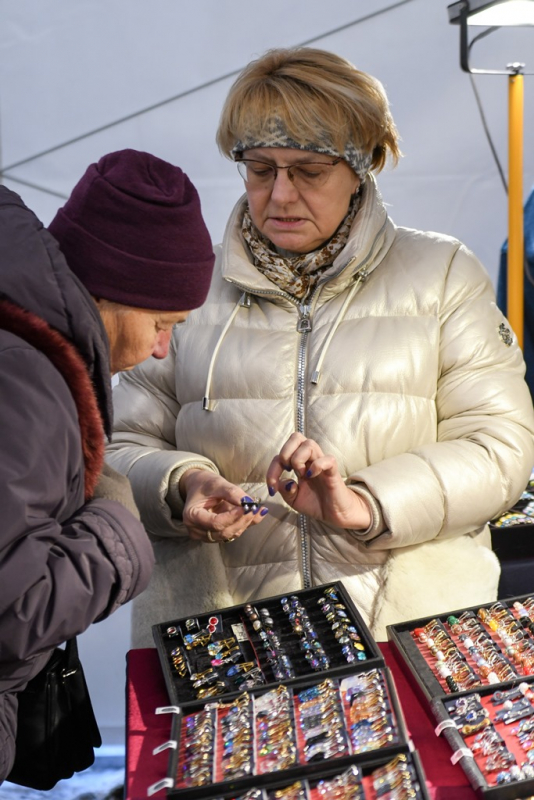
304	324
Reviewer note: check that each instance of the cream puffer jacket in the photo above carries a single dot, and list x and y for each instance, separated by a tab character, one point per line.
401	366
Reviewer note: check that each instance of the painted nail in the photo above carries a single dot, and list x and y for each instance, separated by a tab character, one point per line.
289	485
309	473
272	491
247	499
264	511
247	510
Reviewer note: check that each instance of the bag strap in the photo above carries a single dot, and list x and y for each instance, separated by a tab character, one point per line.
71	655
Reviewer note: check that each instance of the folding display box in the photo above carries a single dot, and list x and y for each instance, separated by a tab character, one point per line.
227	747
475	668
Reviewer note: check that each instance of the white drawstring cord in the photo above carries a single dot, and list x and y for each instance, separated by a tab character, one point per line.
350	295
245	302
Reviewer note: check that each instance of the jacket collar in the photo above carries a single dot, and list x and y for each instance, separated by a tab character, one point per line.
68	362
370	238
36	277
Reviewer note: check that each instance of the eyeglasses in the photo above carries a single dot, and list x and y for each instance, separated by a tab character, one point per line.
308	175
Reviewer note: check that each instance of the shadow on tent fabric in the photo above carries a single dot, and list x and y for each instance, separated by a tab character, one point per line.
515	546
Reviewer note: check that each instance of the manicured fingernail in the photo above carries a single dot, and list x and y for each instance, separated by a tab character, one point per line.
272	491
247	499
289	485
264	511
309	473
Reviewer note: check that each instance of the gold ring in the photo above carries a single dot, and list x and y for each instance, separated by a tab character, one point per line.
210	537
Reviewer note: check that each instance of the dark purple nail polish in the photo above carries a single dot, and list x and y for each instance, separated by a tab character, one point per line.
309	473
272	491
247	499
289	485
264	511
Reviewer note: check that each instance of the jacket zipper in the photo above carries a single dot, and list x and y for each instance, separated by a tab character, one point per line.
304	328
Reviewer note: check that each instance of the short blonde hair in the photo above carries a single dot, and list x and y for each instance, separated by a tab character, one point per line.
318	96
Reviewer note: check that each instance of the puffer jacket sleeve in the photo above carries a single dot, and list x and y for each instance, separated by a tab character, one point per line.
144	442
62	565
484	451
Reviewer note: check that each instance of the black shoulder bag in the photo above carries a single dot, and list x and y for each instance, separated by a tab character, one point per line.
56	725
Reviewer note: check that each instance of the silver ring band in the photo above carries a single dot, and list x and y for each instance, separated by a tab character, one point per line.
210	537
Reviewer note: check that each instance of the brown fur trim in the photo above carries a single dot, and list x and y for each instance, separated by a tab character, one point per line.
68	362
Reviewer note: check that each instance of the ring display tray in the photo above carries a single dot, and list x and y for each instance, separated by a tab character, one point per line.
278	639
490	738
226	747
475	669
370	779
466	649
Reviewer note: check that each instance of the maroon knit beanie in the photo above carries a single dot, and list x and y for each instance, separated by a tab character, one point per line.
132	231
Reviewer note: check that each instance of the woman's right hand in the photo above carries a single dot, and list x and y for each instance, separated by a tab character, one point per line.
212	510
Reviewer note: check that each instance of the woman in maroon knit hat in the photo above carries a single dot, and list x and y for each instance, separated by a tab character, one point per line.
132	231
135	258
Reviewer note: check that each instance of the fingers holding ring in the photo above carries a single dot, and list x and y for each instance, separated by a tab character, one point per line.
210	537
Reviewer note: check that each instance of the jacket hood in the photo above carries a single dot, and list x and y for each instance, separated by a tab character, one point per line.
35	276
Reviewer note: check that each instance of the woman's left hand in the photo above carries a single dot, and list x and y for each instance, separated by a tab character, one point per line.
318	489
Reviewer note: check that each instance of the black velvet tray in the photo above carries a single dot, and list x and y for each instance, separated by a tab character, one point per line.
234	622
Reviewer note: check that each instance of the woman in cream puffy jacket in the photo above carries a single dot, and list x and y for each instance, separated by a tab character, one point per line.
356	377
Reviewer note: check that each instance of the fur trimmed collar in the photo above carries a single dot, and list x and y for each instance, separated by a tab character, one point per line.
66	359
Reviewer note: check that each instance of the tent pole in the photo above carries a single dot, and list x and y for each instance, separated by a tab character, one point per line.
515	305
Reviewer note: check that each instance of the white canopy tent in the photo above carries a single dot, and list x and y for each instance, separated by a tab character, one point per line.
70	68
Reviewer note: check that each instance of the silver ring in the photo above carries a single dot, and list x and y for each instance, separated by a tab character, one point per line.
231	540
210	537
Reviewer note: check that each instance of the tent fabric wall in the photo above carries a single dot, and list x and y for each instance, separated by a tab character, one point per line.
528	288
67	68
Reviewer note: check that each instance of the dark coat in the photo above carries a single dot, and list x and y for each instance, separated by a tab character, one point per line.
66	560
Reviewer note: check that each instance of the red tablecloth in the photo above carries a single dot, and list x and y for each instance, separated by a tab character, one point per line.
146	730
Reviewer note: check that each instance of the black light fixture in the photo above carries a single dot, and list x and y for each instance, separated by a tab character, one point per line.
495	12
493	15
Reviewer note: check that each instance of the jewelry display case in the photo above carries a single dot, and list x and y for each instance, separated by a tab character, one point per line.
278	639
490	733
228	747
475	668
463	650
286	698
